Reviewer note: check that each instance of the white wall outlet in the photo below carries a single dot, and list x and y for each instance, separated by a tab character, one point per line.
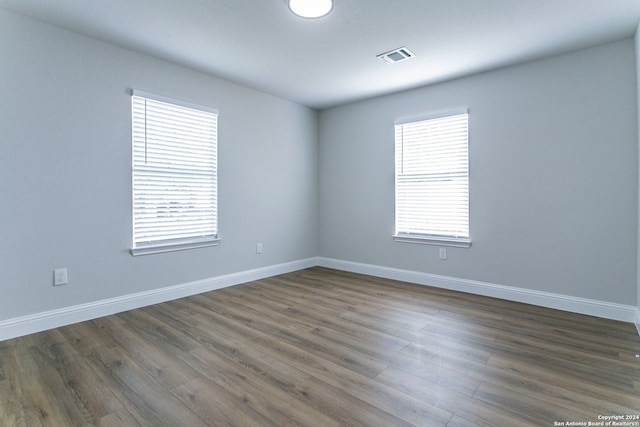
258	248
443	253
60	277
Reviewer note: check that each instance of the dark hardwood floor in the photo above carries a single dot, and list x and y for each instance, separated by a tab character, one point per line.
321	347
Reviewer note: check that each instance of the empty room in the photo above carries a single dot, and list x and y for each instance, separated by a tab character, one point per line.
319	213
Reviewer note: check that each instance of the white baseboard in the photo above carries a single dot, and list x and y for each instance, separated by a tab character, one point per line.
25	325
608	310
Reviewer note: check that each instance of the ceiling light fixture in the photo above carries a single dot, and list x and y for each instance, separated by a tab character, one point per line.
311	8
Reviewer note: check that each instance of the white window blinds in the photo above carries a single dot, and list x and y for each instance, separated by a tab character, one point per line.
432	180
174	175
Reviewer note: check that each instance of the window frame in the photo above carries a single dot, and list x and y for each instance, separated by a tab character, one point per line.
157	245
463	241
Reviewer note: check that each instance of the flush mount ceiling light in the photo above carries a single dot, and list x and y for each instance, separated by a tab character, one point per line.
311	8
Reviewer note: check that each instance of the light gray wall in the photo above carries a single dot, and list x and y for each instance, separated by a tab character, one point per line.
66	163
554	185
554	153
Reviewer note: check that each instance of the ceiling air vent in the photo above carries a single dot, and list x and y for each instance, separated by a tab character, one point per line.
396	55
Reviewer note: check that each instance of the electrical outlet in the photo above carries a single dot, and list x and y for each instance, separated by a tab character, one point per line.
60	277
443	253
258	248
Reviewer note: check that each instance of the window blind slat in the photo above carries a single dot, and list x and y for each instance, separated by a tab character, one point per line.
432	177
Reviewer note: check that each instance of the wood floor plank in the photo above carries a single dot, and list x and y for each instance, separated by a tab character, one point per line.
28	403
570	356
481	413
465	376
216	406
334	322
81	393
343	406
265	394
357	344
457	421
25	399
609	395
321	347
204	317
486	334
360	386
157	331
440	369
118	418
86	337
530	408
264	364
143	397
265	314
12	412
158	362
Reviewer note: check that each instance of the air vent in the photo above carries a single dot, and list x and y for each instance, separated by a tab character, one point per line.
397	55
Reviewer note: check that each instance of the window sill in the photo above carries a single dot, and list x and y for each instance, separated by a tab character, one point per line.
159	248
434	240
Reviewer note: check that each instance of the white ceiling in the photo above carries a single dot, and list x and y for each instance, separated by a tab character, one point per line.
332	60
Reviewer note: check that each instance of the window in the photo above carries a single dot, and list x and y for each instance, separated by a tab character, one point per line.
174	175
432	181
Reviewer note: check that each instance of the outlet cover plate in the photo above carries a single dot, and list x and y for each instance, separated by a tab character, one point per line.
60	277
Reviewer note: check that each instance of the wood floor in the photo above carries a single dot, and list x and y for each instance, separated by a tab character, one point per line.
321	347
